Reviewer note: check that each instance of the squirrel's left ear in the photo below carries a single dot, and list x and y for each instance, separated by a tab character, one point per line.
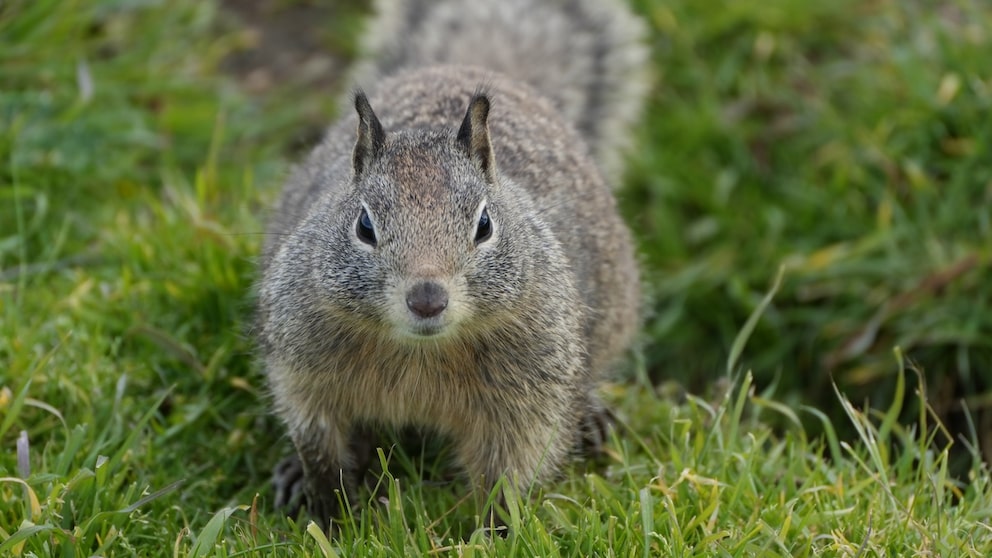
371	137
473	136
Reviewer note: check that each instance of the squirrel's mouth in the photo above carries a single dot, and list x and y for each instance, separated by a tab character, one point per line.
426	330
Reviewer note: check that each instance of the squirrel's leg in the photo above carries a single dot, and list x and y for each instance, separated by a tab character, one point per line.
324	472
519	447
287	481
596	422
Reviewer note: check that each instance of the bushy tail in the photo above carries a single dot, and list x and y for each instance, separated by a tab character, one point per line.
587	56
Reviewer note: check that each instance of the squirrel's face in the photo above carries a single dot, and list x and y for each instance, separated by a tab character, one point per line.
427	251
430	229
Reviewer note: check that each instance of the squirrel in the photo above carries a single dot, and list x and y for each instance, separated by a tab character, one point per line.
458	263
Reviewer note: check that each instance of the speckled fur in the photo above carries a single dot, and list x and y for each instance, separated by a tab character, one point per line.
588	57
536	316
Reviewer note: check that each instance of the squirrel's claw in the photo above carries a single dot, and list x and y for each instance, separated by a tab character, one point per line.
288	481
595	428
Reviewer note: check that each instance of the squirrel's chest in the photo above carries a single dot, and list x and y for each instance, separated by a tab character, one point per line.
402	387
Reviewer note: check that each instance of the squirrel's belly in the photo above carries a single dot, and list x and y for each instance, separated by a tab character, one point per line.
412	394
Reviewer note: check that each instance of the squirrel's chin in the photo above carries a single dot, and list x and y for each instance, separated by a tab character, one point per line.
424	332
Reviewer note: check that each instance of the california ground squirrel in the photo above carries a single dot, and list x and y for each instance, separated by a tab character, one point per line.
459	263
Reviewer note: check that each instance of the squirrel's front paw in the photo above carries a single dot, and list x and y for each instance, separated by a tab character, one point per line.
288	482
323	506
294	491
595	428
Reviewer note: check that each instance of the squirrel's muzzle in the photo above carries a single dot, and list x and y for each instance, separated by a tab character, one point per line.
427	299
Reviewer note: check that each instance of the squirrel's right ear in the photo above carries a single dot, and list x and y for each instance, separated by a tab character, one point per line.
473	136
371	137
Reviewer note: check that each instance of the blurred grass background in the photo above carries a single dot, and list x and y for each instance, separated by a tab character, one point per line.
141	141
850	142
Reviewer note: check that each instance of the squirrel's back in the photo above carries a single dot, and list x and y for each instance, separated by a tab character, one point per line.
587	56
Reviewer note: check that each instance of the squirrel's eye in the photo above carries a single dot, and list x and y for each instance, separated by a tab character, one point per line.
364	230
485	228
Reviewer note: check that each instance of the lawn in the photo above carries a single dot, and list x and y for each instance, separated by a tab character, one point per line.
811	190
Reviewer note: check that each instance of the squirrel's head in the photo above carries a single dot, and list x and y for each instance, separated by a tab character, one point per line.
428	253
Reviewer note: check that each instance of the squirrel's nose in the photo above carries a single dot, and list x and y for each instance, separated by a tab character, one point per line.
427	299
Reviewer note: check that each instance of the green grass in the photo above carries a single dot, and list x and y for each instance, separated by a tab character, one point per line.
848	141
845	142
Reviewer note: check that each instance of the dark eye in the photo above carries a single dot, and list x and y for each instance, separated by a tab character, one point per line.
364	230
485	228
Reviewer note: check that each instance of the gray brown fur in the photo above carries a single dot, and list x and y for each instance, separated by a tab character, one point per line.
536	315
589	57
